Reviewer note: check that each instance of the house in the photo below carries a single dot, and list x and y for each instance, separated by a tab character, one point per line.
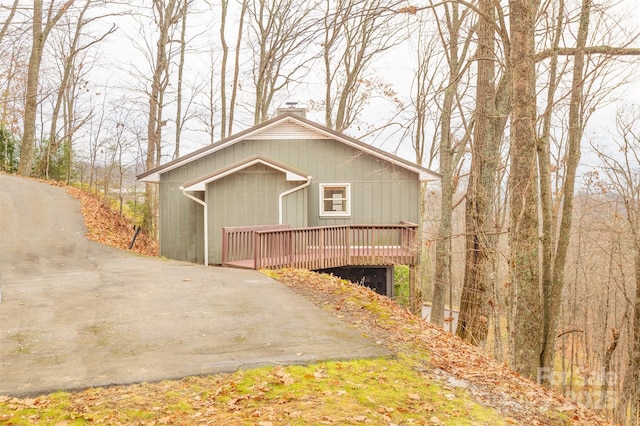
282	177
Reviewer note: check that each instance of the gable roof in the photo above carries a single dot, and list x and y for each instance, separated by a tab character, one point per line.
287	126
200	183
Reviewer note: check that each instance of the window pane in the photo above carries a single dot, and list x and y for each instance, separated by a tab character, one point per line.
335	200
333	192
335	205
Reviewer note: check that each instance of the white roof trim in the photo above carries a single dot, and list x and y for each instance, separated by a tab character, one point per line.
423	175
253	134
202	185
155	177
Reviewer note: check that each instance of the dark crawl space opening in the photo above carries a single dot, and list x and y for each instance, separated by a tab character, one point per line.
377	278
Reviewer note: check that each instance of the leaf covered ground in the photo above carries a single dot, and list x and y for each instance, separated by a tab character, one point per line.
106	226
433	378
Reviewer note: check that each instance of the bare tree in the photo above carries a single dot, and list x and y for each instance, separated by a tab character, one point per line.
71	49
281	33
623	174
481	240
236	68
95	139
553	266
354	35
456	39
427	90
167	14
40	32
558	177
13	45
544	164
556	221
224	7
524	287
181	62
227	107
122	133
209	105
7	22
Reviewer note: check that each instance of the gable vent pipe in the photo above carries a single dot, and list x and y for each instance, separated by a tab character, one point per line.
290	191
206	223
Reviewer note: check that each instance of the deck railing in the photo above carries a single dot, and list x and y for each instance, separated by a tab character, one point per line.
320	247
238	241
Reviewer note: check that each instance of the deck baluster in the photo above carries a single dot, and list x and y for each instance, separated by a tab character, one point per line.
319	247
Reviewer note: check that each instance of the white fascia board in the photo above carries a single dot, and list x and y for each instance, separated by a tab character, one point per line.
289	175
423	175
429	177
155	177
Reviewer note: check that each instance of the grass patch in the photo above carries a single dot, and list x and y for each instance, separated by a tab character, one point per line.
414	387
377	391
374	391
50	410
401	284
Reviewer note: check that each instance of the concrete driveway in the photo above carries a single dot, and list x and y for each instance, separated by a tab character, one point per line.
76	314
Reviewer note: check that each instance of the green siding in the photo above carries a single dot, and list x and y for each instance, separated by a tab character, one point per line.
381	192
249	197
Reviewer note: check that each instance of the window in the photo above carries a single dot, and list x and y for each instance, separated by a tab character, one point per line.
335	199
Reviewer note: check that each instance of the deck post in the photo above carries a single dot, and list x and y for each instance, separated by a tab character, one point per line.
225	245
290	251
256	251
321	248
348	244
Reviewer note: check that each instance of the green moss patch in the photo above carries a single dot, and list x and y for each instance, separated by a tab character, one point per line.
378	391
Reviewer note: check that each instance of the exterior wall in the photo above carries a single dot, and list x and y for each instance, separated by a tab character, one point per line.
249	197
381	202
381	193
181	228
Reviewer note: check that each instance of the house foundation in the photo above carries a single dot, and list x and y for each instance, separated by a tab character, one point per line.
377	278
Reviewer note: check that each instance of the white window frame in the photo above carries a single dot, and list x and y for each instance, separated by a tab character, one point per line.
331	213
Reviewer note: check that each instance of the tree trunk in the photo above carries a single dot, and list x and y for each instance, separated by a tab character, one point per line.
480	241
525	291
39	37
183	48
167	16
31	97
442	273
552	295
629	407
236	68
442	267
224	5
548	215
608	356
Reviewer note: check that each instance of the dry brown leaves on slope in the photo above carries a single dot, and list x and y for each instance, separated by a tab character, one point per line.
446	357
107	227
449	358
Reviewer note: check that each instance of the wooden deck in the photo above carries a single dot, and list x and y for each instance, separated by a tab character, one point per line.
279	246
